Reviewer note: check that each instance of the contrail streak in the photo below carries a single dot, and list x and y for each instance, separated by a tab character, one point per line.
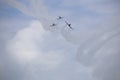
88	49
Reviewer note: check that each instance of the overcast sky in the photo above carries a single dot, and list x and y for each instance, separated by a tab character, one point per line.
32	50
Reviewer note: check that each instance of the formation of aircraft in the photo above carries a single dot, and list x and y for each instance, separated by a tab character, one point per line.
59	18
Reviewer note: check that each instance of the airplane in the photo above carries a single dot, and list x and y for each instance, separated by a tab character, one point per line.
53	24
59	17
69	25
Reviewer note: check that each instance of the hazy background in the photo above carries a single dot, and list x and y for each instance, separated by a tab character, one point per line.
32	50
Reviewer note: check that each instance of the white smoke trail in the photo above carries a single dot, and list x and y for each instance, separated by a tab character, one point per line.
88	49
21	7
34	9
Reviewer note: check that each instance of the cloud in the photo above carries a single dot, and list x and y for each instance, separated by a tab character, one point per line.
25	49
23	44
42	55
